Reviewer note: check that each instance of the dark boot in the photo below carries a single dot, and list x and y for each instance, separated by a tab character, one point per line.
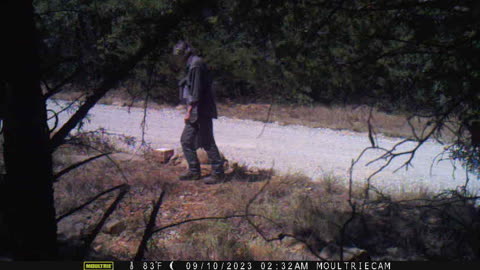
215	179
189	176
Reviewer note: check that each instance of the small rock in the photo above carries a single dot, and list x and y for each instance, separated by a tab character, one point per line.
297	248
432	220
115	227
392	250
254	170
62	237
177	158
78	226
384	210
395	252
184	163
97	248
163	155
332	253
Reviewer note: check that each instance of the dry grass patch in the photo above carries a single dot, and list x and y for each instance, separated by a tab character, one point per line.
335	117
223	239
210	225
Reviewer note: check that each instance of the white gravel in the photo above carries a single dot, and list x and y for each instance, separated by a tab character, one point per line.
313	152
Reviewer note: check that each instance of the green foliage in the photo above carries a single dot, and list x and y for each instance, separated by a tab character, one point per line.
89	38
420	57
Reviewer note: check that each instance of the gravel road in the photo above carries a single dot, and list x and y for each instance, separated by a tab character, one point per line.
313	152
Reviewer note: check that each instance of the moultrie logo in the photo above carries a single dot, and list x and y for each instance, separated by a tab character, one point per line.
97	265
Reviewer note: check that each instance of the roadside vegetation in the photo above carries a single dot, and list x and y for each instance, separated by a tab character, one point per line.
263	216
338	117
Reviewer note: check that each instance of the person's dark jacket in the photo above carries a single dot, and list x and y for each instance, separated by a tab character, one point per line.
196	88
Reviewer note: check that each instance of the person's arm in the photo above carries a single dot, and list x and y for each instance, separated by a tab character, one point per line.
196	89
190	107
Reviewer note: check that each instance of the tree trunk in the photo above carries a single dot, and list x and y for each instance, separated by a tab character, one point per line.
27	207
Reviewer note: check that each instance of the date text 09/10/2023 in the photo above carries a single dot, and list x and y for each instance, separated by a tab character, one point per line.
266	265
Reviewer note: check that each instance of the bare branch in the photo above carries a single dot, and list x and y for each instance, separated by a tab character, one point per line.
143	124
159	229
49	12
371	131
108	157
412	128
352	205
55	115
247	216
91	237
149	229
76	165
57	89
80	207
70	105
266	120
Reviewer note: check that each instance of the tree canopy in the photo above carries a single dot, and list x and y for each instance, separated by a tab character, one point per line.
419	57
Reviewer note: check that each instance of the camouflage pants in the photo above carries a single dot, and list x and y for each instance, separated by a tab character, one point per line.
200	135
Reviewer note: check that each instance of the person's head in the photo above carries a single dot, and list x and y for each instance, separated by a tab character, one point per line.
182	49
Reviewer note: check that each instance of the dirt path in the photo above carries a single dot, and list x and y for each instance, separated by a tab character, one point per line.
313	152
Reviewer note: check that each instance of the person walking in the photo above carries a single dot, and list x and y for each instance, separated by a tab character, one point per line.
196	92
